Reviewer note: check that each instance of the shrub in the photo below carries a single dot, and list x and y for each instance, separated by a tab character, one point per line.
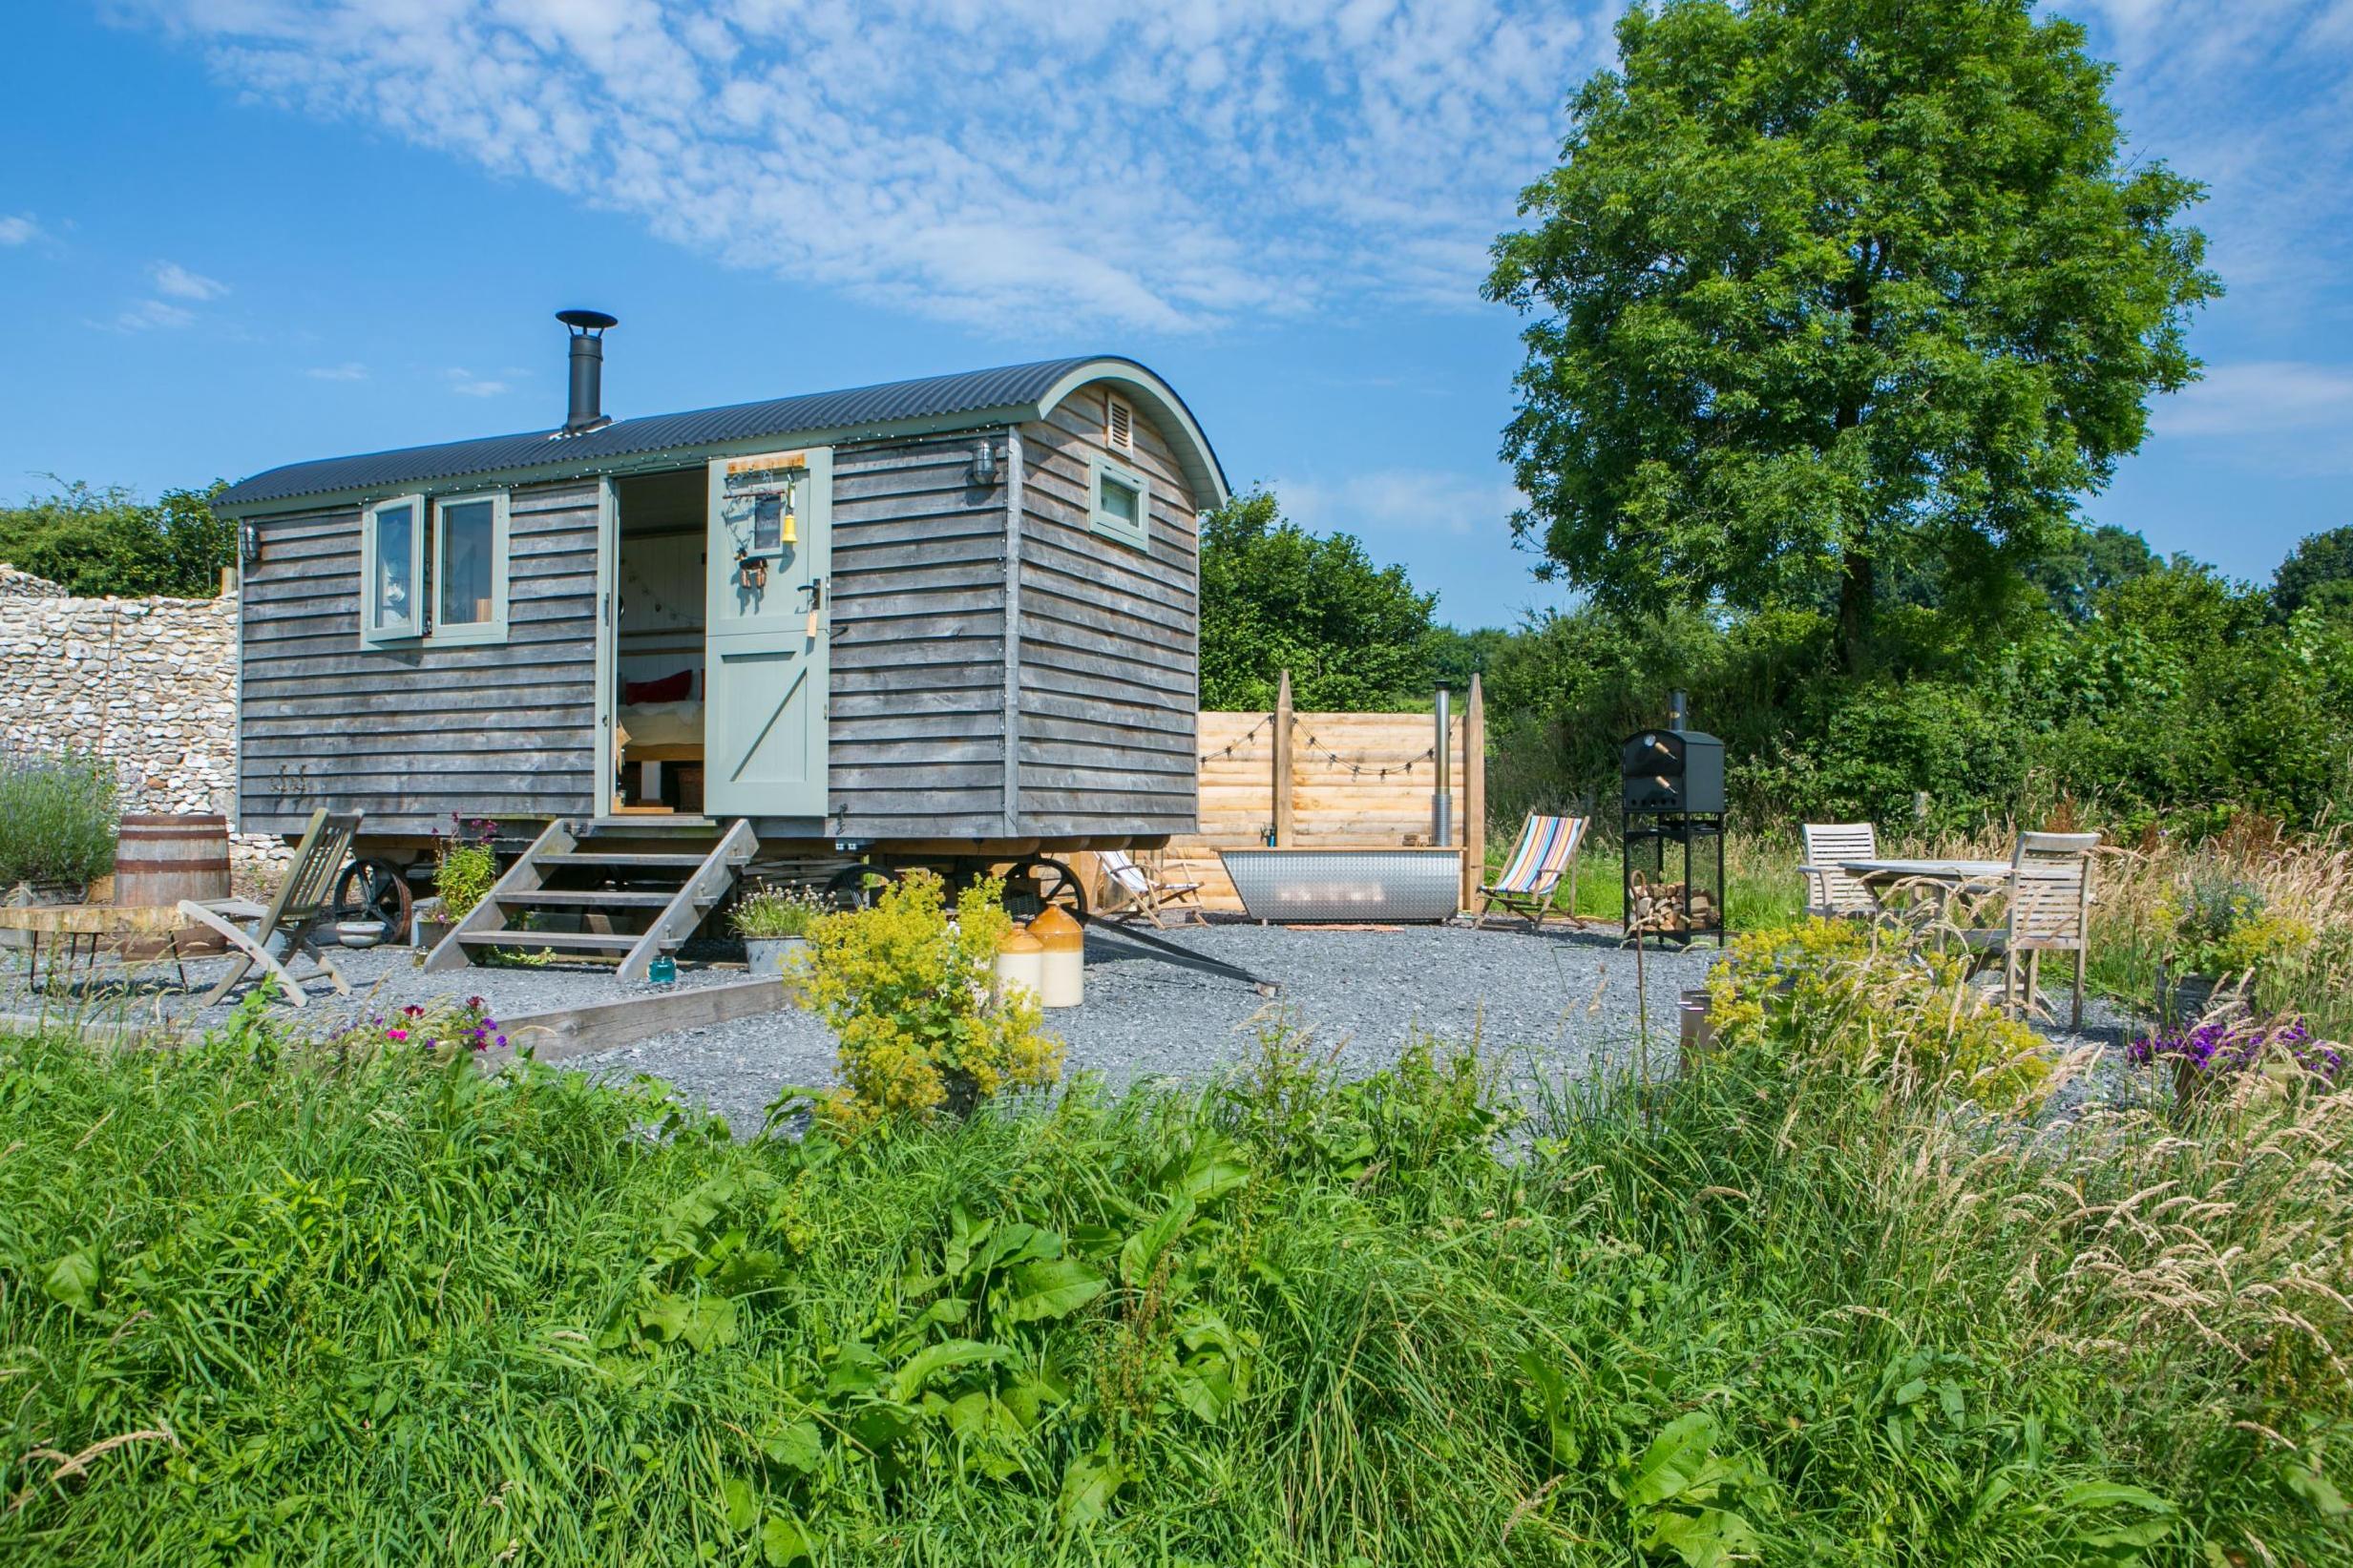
463	876
1876	1002
911	994
58	815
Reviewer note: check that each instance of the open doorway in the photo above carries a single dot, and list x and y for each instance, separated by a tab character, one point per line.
658	648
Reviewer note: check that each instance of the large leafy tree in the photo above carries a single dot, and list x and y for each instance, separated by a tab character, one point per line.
1275	597
1826	289
2318	570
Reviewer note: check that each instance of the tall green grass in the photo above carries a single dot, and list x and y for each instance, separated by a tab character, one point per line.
267	1303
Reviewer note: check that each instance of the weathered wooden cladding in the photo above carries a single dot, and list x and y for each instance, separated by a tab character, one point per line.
410	734
934	732
1109	637
915	723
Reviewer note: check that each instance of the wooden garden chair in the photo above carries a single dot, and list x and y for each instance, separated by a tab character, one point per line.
1831	893
1146	894
280	931
1545	853
2048	897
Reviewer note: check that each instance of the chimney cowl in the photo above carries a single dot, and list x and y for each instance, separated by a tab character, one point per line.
587	412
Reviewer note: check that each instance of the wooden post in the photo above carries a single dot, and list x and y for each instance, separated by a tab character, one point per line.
1283	823
1474	793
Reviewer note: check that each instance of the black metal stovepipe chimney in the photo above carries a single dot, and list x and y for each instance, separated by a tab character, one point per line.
588	328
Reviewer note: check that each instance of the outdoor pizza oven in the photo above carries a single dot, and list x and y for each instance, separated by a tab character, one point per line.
1671	794
1674	770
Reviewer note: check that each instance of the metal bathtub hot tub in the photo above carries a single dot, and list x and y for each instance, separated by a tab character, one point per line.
1312	886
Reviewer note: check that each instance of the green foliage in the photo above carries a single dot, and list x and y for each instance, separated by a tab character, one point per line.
912	995
1275	597
1828	290
2175	698
463	875
274	1302
59	817
97	542
1834	989
2318	571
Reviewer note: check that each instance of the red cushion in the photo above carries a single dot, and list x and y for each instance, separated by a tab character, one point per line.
670	688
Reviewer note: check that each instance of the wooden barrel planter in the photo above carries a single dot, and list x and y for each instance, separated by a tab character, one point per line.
161	859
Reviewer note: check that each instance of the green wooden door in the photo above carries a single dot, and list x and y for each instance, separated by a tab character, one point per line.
764	719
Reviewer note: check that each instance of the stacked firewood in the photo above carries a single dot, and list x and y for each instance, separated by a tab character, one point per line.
1661	907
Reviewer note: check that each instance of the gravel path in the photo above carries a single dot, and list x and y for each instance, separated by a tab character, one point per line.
1549	1004
1560	1005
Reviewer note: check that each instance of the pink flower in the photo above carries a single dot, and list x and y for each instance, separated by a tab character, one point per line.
395	1033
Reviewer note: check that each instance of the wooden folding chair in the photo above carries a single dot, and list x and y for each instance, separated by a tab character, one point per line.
1546	852
280	931
1149	895
2049	911
1832	893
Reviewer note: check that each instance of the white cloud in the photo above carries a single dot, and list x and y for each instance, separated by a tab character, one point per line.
177	282
2254	97
1161	166
2268	398
465	383
1394	505
148	315
2272	418
19	229
349	370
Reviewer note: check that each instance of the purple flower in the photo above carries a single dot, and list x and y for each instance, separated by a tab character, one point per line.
2224	1046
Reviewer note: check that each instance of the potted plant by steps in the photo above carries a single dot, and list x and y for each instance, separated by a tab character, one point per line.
463	874
774	924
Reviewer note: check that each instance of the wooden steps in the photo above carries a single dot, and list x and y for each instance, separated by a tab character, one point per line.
567	873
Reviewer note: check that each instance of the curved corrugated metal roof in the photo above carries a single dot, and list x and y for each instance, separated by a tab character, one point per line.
1019	387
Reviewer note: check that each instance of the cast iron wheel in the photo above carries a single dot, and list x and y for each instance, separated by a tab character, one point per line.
374	889
1056	883
856	886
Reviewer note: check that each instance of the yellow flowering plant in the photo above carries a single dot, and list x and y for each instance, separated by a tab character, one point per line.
909	990
1877	1001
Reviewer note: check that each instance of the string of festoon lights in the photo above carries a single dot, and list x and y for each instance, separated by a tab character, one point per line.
1355	769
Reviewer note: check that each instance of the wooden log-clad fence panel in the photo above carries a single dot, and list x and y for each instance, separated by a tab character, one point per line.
1358	780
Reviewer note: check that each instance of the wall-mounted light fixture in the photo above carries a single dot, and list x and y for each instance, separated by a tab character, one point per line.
248	543
984	464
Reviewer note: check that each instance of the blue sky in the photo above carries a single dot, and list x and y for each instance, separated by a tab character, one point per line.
235	233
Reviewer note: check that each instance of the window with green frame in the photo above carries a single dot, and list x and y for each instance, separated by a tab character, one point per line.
434	569
1123	503
392	569
470	568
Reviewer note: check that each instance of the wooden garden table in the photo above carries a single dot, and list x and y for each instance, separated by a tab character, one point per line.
87	928
1944	880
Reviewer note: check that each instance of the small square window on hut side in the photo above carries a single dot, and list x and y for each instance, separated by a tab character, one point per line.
470	570
1123	503
392	569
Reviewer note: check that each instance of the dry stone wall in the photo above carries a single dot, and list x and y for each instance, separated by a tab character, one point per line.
150	683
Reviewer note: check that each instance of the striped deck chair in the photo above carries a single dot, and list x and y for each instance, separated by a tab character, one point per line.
1546	852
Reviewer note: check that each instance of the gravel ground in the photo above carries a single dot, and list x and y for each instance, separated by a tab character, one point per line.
1551	1006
